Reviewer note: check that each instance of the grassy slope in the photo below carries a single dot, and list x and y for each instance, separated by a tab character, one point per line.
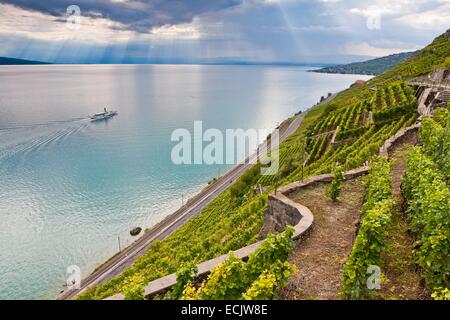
425	61
234	220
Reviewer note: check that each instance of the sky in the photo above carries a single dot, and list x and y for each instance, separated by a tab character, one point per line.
183	31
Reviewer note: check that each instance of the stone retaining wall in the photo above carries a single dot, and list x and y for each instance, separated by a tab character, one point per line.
281	210
397	138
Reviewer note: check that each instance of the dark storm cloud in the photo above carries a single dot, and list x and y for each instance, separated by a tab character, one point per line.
137	15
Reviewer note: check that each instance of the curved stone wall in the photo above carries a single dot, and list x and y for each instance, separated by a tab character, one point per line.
397	138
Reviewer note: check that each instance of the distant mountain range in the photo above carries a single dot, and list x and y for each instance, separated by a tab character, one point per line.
371	67
13	61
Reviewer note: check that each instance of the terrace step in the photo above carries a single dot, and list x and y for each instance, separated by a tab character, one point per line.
444	96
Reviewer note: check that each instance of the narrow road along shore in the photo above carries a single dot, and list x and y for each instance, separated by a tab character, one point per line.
171	223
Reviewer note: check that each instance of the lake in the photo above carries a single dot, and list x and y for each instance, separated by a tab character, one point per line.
70	189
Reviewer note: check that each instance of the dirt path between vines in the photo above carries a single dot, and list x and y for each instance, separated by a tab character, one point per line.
402	278
320	256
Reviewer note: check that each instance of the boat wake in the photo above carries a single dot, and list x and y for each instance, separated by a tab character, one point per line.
23	140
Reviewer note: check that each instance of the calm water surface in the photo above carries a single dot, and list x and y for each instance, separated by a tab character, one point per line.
69	188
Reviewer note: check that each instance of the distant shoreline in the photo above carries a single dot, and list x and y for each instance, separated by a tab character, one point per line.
36	63
20	62
341	72
371	67
4	61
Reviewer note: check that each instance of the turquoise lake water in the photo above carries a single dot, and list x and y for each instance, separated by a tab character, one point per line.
69	187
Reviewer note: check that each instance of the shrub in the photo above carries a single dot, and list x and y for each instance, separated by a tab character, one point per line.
288	166
370	241
441	294
134	288
429	210
335	187
264	287
378	185
350	133
184	276
436	141
223	283
367	250
446	63
393	113
233	279
245	182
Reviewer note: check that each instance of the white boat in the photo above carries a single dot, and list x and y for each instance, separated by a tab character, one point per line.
103	115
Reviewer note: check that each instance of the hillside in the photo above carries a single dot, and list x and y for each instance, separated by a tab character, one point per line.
370	67
360	118
13	61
